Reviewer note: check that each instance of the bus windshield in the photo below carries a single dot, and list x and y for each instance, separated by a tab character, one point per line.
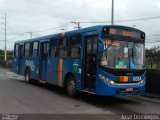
119	54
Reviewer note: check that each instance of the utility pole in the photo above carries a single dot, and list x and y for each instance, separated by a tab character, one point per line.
30	34
77	25
112	12
5	39
5	36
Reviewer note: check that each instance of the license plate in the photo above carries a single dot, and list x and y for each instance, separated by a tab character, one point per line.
129	89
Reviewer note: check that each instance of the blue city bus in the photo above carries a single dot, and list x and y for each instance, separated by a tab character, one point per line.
102	60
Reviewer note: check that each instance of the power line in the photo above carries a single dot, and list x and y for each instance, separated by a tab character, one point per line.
127	20
17	36
152	41
153	36
71	11
30	33
45	9
40	31
139	19
49	29
109	22
60	14
147	18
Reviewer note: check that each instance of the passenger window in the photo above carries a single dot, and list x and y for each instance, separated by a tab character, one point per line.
31	50
16	53
63	47
45	50
92	40
95	45
21	51
35	49
27	49
53	48
75	46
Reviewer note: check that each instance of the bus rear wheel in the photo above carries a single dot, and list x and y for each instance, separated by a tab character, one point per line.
27	76
71	87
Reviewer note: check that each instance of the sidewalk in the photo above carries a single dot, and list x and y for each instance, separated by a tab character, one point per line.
7	64
152	95
6	68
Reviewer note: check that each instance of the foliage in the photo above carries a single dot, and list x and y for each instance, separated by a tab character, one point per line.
9	54
153	53
153	57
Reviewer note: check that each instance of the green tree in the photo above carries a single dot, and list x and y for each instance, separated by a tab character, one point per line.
153	57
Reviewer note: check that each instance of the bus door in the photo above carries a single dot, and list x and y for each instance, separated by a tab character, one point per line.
44	52
89	64
16	59
20	64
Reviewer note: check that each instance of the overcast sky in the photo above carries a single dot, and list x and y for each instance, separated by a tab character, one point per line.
44	17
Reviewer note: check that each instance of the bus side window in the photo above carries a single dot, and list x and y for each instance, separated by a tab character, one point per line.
45	50
75	46
31	50
21	54
16	53
53	48
27	49
35	49
63	47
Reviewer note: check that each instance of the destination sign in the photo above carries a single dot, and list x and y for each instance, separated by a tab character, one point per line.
124	32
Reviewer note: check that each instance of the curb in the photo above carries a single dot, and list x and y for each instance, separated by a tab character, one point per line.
152	95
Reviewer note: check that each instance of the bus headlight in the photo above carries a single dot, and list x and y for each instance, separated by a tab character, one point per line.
101	76
112	82
142	81
106	79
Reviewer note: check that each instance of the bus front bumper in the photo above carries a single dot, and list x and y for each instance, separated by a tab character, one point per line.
106	89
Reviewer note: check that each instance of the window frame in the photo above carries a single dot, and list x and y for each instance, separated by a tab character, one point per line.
45	55
21	51
53	47
16	50
33	49
73	45
62	46
27	49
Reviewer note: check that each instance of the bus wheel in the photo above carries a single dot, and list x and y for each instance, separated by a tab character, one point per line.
27	76
71	86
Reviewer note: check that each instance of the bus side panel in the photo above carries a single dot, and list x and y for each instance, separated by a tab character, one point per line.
34	72
58	68
20	66
73	66
51	75
32	63
23	67
15	65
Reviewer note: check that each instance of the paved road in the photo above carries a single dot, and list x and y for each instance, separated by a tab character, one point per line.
18	97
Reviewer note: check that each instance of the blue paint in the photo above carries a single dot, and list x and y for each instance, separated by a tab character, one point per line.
50	66
132	64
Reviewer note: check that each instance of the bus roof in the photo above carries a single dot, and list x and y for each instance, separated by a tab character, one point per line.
82	30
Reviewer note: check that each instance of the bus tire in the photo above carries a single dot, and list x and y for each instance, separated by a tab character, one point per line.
71	87
27	76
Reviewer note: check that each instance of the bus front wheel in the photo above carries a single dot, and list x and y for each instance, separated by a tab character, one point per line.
27	76
71	86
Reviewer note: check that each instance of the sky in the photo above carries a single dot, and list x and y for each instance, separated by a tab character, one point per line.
44	17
